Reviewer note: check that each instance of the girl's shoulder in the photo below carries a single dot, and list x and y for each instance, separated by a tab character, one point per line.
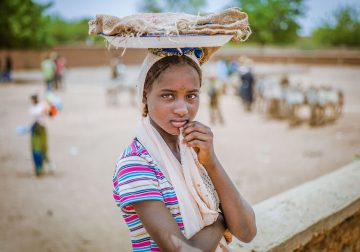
135	148
135	155
136	178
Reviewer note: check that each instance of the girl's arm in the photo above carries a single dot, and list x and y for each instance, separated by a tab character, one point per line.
238	214
163	229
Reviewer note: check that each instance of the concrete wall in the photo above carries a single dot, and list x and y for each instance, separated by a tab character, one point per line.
271	55
79	56
83	56
320	215
343	237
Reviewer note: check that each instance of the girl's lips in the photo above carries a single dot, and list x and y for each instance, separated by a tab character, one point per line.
178	124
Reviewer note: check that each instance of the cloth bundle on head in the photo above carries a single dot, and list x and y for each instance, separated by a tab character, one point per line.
231	21
198	200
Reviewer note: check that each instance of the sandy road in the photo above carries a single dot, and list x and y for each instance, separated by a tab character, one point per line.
73	210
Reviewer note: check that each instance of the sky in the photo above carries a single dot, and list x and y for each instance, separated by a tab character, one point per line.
71	9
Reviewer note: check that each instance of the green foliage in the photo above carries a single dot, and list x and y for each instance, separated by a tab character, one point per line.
24	25
187	6
273	21
20	24
342	29
66	32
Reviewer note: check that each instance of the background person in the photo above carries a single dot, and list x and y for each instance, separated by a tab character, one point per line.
39	142
8	66
48	69
60	66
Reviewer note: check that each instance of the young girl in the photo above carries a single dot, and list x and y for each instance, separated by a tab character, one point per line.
173	192
155	183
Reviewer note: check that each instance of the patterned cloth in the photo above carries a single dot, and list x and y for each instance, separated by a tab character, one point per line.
138	178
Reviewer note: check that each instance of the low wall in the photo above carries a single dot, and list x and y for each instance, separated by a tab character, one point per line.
320	215
76	56
343	237
295	56
87	56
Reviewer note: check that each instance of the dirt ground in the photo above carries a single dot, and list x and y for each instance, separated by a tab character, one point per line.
73	210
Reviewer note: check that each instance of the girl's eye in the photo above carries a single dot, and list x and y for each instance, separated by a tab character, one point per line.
192	96
167	96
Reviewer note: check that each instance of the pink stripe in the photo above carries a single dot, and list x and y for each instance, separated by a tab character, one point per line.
115	183
140	195
116	196
160	174
133	147
172	199
134	168
128	208
141	244
131	218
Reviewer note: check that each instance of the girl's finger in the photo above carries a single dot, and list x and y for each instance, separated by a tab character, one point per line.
196	127
196	135
196	144
194	130
193	124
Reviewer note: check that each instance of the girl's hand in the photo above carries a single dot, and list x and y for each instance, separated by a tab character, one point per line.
200	137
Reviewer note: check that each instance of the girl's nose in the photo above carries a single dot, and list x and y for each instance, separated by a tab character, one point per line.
181	108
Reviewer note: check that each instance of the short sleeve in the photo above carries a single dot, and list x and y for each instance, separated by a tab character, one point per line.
135	180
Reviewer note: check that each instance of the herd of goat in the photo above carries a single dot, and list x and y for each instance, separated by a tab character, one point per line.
279	98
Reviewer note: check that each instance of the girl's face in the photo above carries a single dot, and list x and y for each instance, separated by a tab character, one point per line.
173	99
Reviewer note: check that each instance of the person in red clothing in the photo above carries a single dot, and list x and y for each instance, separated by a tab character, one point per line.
60	66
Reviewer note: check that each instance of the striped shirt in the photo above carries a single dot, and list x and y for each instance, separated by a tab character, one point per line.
138	178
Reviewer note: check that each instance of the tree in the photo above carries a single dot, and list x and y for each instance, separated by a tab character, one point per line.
342	29
273	21
65	32
187	6
24	25
21	24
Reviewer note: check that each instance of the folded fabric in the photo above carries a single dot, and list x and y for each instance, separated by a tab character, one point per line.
231	21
